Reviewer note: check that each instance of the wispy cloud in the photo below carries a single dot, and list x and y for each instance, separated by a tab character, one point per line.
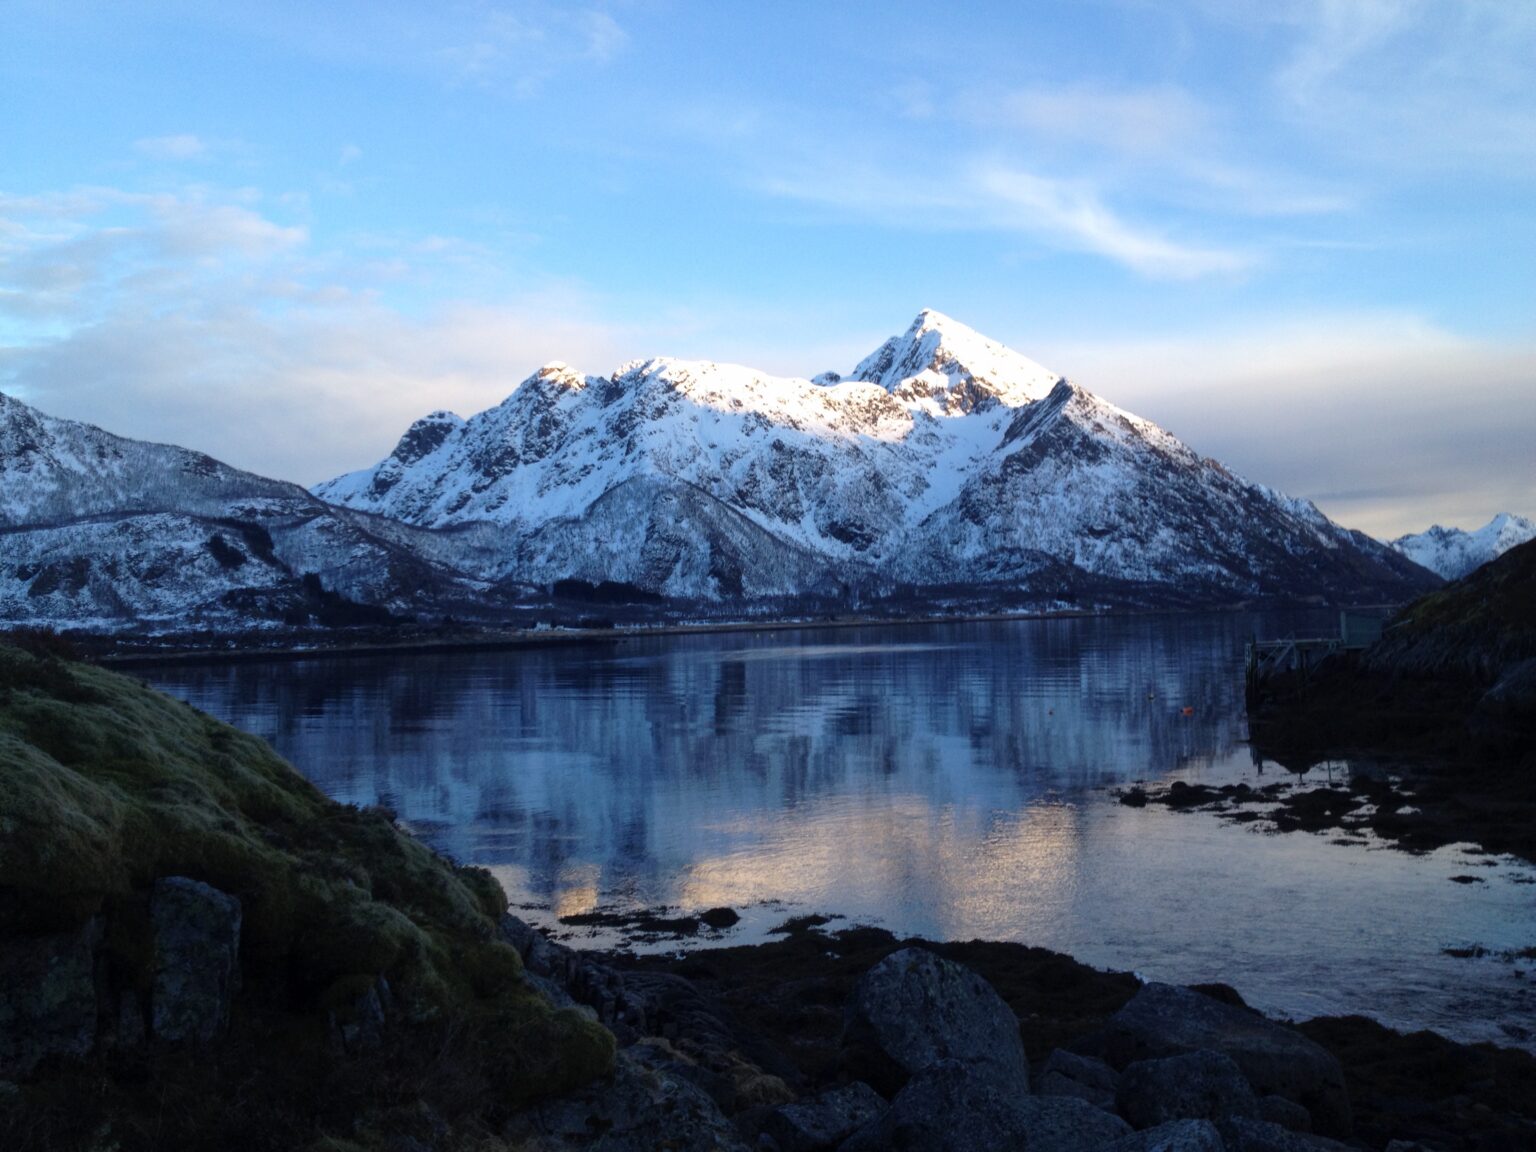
183	146
1075	217
991	196
201	318
521	50
1415	84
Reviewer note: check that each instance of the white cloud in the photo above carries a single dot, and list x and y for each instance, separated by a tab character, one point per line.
605	39
521	51
1417	85
1074	217
990	196
200	319
1128	121
183	146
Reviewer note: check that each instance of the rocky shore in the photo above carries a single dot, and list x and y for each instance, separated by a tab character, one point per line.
199	950
856	1040
1444	702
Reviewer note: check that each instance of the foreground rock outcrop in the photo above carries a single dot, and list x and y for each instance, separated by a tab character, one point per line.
180	907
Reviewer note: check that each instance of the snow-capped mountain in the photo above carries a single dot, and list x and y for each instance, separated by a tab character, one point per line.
102	531
942	460
1453	552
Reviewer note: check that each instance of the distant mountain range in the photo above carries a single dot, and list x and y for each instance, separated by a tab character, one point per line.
1452	552
944	471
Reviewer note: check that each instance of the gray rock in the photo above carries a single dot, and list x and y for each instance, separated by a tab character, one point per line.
1068	1074
1066	1124
1286	1113
197	959
1195	1086
360	1025
1174	1136
643	1106
948	1108
1244	1135
1162	1020
914	1009
47	998
823	1121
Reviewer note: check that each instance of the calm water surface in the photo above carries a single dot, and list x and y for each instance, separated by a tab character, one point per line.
952	780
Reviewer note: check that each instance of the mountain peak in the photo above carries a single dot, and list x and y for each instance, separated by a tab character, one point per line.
940	358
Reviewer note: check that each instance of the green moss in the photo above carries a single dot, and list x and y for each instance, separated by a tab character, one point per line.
109	785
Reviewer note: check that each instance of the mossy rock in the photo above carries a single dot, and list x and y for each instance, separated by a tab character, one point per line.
109	785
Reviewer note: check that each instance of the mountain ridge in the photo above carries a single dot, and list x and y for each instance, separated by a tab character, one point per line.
945	473
1455	552
943	458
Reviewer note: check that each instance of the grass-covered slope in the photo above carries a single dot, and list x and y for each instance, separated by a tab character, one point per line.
1473	628
106	785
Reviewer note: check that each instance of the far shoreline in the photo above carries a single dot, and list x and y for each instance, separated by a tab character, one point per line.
492	640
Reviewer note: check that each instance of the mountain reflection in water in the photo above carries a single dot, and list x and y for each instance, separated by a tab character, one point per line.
951	780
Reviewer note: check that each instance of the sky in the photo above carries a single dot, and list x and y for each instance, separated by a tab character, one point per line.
1298	234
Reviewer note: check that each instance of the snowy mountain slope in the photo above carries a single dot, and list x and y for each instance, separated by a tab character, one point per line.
95	527
1453	552
942	459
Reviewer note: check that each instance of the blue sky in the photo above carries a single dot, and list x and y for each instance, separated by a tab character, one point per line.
1301	236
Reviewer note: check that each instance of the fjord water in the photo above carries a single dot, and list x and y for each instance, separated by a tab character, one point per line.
954	780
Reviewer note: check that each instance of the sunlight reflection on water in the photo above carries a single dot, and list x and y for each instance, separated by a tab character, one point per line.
952	780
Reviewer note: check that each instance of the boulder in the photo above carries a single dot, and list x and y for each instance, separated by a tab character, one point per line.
1174	1136
824	1121
914	1009
1195	1086
196	931
644	1105
948	1108
1286	1113
1163	1020
1244	1135
1068	1074
47	998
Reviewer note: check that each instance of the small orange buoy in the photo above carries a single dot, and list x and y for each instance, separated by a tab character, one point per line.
1189	711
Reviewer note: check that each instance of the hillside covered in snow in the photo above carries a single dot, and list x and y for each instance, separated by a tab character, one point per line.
943	460
943	473
102	532
1454	552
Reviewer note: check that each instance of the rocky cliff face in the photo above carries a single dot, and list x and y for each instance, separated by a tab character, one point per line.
943	459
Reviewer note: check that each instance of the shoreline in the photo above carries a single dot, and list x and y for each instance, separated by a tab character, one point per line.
491	640
779	1005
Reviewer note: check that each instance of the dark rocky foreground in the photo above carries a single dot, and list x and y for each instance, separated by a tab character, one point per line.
198	950
857	1040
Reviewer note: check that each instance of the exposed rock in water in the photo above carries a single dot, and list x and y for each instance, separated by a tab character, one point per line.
914	1008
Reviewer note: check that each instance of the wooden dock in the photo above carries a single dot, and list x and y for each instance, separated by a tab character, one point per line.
1297	657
